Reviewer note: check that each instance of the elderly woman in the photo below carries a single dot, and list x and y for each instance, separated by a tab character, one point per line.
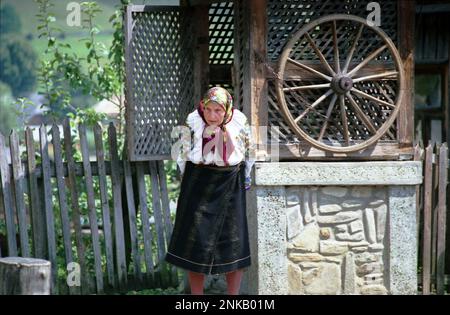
210	235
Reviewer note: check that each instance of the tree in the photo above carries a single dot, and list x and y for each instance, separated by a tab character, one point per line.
8	118
9	20
18	65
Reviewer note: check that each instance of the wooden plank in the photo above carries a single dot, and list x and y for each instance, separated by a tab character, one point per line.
118	215
146	232
255	101
405	119
166	215
18	193
36	213
91	207
76	214
64	211
379	151
128	30
132	219
48	204
78	169
157	213
426	255
441	227
8	203
434	213
418	157
107	229
165	200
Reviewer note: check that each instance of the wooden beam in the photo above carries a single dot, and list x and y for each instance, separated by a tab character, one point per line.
405	120
255	83
380	151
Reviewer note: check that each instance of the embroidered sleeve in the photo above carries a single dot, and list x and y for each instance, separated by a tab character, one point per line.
186	145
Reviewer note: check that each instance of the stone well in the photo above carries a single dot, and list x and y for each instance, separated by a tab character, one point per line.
333	228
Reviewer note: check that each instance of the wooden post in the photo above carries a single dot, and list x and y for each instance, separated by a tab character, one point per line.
405	120
201	49
442	166
24	276
426	259
255	83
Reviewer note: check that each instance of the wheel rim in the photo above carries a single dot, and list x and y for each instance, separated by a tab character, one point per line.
348	102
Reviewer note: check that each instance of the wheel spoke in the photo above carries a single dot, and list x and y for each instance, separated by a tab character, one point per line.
344	119
365	61
361	115
389	74
319	54
308	87
336	48
320	74
317	102
327	118
370	97
352	50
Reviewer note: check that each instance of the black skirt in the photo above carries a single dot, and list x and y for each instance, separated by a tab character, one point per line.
210	235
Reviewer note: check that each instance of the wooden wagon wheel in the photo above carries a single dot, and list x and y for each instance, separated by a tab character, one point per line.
365	88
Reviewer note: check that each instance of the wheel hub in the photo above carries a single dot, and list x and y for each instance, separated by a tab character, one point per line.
341	84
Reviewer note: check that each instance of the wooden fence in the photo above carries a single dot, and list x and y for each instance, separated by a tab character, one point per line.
59	205
432	201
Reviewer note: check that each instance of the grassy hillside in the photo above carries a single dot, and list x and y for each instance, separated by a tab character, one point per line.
27	10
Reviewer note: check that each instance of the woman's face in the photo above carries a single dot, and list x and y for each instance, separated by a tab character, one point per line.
214	114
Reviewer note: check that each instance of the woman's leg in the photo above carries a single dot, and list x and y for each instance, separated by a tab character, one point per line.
234	281
196	281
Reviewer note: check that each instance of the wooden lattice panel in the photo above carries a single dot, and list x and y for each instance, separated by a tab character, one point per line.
221	31
287	17
159	63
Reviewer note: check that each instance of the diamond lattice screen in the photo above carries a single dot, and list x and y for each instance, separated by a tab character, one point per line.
159	61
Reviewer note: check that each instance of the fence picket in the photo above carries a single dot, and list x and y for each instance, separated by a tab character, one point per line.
104	202
147	235
91	207
426	255
165	200
132	219
18	176
36	213
441	218
8	202
118	215
166	214
64	211
48	204
76	214
156	200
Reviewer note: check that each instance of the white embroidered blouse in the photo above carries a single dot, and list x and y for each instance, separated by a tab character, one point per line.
239	131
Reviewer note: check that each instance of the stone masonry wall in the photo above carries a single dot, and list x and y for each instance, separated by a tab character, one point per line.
335	239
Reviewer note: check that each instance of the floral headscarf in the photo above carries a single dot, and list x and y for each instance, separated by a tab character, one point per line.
222	97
